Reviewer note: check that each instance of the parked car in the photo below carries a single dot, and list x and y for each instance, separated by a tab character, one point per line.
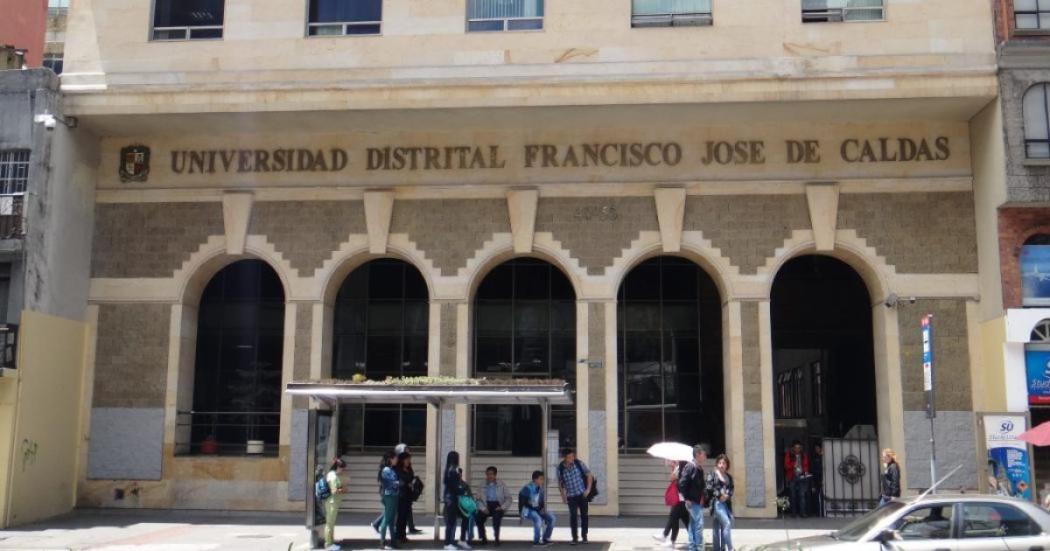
941	522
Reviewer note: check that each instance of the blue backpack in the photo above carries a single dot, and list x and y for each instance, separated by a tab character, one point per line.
321	489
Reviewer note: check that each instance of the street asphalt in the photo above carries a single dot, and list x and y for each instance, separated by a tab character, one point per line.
157	530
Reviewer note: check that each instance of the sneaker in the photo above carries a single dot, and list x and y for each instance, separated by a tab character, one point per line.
659	538
584	540
573	542
669	544
464	545
334	547
450	547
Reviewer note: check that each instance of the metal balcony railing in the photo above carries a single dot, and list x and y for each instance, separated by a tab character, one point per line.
227	433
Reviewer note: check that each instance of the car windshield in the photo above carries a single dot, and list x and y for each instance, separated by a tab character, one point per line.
856	529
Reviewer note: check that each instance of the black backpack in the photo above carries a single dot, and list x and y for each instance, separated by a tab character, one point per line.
415	488
594	480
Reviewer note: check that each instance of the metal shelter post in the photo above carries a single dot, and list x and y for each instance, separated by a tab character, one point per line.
437	470
546	407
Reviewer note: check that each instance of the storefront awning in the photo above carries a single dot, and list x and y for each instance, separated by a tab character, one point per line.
475	392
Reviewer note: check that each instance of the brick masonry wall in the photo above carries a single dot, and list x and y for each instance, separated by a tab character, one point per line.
306	233
751	356
1016	225
596	230
131	362
150	240
919	233
596	351
450	231
951	355
747	229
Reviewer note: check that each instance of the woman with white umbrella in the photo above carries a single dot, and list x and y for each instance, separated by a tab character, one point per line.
673	453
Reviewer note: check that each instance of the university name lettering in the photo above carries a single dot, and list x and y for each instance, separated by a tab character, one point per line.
562	156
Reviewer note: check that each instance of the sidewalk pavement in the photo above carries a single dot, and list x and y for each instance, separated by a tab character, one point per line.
161	530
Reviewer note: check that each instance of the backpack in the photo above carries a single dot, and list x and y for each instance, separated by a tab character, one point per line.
321	489
467	506
415	488
594	480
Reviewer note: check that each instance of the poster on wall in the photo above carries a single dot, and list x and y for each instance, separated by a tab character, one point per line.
1037	366
1035	275
1008	460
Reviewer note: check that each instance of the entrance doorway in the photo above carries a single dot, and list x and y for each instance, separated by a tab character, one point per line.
823	372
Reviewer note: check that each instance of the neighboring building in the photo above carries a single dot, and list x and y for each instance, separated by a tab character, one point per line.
719	225
46	188
22	27
55	43
1017	307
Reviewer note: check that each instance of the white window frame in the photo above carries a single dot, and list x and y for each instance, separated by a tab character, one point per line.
506	21
189	30
672	19
11	158
346	25
1042	88
843	14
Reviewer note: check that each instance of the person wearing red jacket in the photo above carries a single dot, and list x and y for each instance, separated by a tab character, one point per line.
796	476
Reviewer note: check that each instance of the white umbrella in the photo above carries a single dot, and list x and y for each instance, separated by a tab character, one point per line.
671	451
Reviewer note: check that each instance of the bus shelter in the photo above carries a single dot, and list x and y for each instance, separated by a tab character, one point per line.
323	432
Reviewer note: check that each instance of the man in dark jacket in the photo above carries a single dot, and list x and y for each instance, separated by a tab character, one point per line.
692	487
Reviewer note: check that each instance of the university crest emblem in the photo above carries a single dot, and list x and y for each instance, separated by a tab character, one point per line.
134	163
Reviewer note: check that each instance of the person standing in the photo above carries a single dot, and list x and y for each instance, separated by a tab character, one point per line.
796	474
389	490
720	488
453	481
533	505
331	504
816	464
403	468
891	477
677	513
497	500
692	486
574	483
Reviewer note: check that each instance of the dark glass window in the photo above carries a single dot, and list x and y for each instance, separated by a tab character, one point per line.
524	326
381	326
345	17
187	19
237	377
996	521
1035	108
670	325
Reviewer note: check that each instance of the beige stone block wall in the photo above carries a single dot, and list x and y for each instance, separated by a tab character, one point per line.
131	362
950	353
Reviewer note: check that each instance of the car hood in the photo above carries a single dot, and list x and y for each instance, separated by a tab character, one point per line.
812	542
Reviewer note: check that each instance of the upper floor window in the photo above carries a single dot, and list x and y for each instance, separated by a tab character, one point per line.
55	7
1036	109
53	62
833	11
1035	271
342	17
14	171
187	19
504	15
670	13
1032	15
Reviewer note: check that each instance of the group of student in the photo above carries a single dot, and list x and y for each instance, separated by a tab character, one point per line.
690	492
399	487
576	485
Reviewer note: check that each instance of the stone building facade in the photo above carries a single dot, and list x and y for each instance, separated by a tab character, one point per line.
591	147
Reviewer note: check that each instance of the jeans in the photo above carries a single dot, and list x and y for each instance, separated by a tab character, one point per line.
451	516
497	520
389	518
466	528
577	506
539	519
722	528
799	487
677	514
696	526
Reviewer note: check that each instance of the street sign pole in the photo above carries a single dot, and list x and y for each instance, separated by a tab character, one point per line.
927	378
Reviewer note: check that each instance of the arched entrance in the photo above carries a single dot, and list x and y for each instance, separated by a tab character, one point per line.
237	373
524	327
823	367
380	330
669	351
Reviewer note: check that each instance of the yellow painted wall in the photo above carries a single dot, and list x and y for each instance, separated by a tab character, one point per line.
991	395
41	466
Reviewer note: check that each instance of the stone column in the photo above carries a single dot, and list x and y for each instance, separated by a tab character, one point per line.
303	344
592	415
604	399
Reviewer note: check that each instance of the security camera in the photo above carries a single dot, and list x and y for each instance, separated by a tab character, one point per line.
47	119
891	300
